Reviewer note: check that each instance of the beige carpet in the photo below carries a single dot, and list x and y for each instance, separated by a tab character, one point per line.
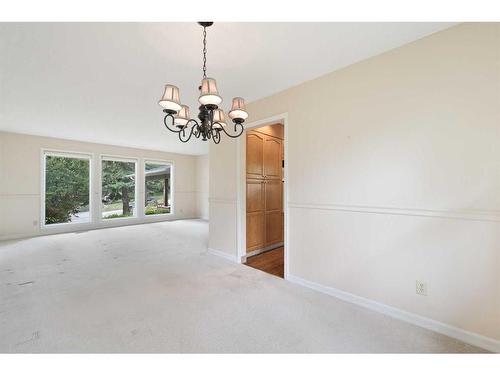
153	288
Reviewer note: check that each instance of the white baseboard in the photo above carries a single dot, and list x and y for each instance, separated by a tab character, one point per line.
222	254
418	320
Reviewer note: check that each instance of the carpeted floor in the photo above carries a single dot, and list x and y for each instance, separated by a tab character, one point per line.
153	288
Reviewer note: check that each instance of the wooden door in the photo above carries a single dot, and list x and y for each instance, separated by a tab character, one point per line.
255	155
255	214
272	158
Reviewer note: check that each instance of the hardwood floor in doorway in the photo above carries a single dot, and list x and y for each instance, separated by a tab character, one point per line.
272	262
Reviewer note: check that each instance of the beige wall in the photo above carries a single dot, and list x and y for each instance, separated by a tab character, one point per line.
20	158
202	185
222	197
394	176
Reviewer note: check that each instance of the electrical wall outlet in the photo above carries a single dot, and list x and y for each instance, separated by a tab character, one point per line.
421	288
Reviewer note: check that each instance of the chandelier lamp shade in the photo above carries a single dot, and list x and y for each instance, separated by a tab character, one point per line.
208	92
211	121
238	110
219	119
182	117
170	100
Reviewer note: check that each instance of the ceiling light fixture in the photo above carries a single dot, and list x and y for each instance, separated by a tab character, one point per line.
212	119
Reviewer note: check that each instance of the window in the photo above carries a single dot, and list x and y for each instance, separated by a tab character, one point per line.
66	197
158	179
118	188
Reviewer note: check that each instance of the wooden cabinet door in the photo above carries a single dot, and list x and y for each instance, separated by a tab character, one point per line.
273	195
255	155
274	204
255	214
255	195
272	158
273	228
255	230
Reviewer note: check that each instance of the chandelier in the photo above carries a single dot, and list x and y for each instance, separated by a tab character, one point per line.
212	120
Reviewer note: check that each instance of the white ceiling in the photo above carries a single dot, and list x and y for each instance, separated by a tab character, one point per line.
100	82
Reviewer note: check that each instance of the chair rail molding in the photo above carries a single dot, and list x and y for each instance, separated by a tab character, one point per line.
457	214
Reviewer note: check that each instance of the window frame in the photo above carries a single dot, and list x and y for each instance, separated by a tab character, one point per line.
172	186
125	159
67	154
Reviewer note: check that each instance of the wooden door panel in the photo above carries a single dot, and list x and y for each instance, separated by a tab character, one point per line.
255	230
273	195
255	195
272	158
255	155
273	228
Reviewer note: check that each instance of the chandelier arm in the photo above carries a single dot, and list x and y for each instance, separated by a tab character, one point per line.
212	125
192	122
235	127
214	131
168	127
196	130
182	134
216	136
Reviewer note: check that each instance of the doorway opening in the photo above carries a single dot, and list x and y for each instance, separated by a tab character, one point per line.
265	201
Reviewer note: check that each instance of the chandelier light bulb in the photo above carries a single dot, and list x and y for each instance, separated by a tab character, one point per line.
170	100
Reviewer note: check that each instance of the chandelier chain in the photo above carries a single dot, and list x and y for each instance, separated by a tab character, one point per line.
204	52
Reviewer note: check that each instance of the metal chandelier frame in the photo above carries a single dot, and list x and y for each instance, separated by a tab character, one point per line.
206	128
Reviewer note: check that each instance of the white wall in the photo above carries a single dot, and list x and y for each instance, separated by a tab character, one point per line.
202	186
394	176
222	197
20	187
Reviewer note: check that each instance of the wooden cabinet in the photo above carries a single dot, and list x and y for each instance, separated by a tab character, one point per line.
272	195
255	195
255	214
273	206
264	188
264	156
255	155
255	230
273	228
272	158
